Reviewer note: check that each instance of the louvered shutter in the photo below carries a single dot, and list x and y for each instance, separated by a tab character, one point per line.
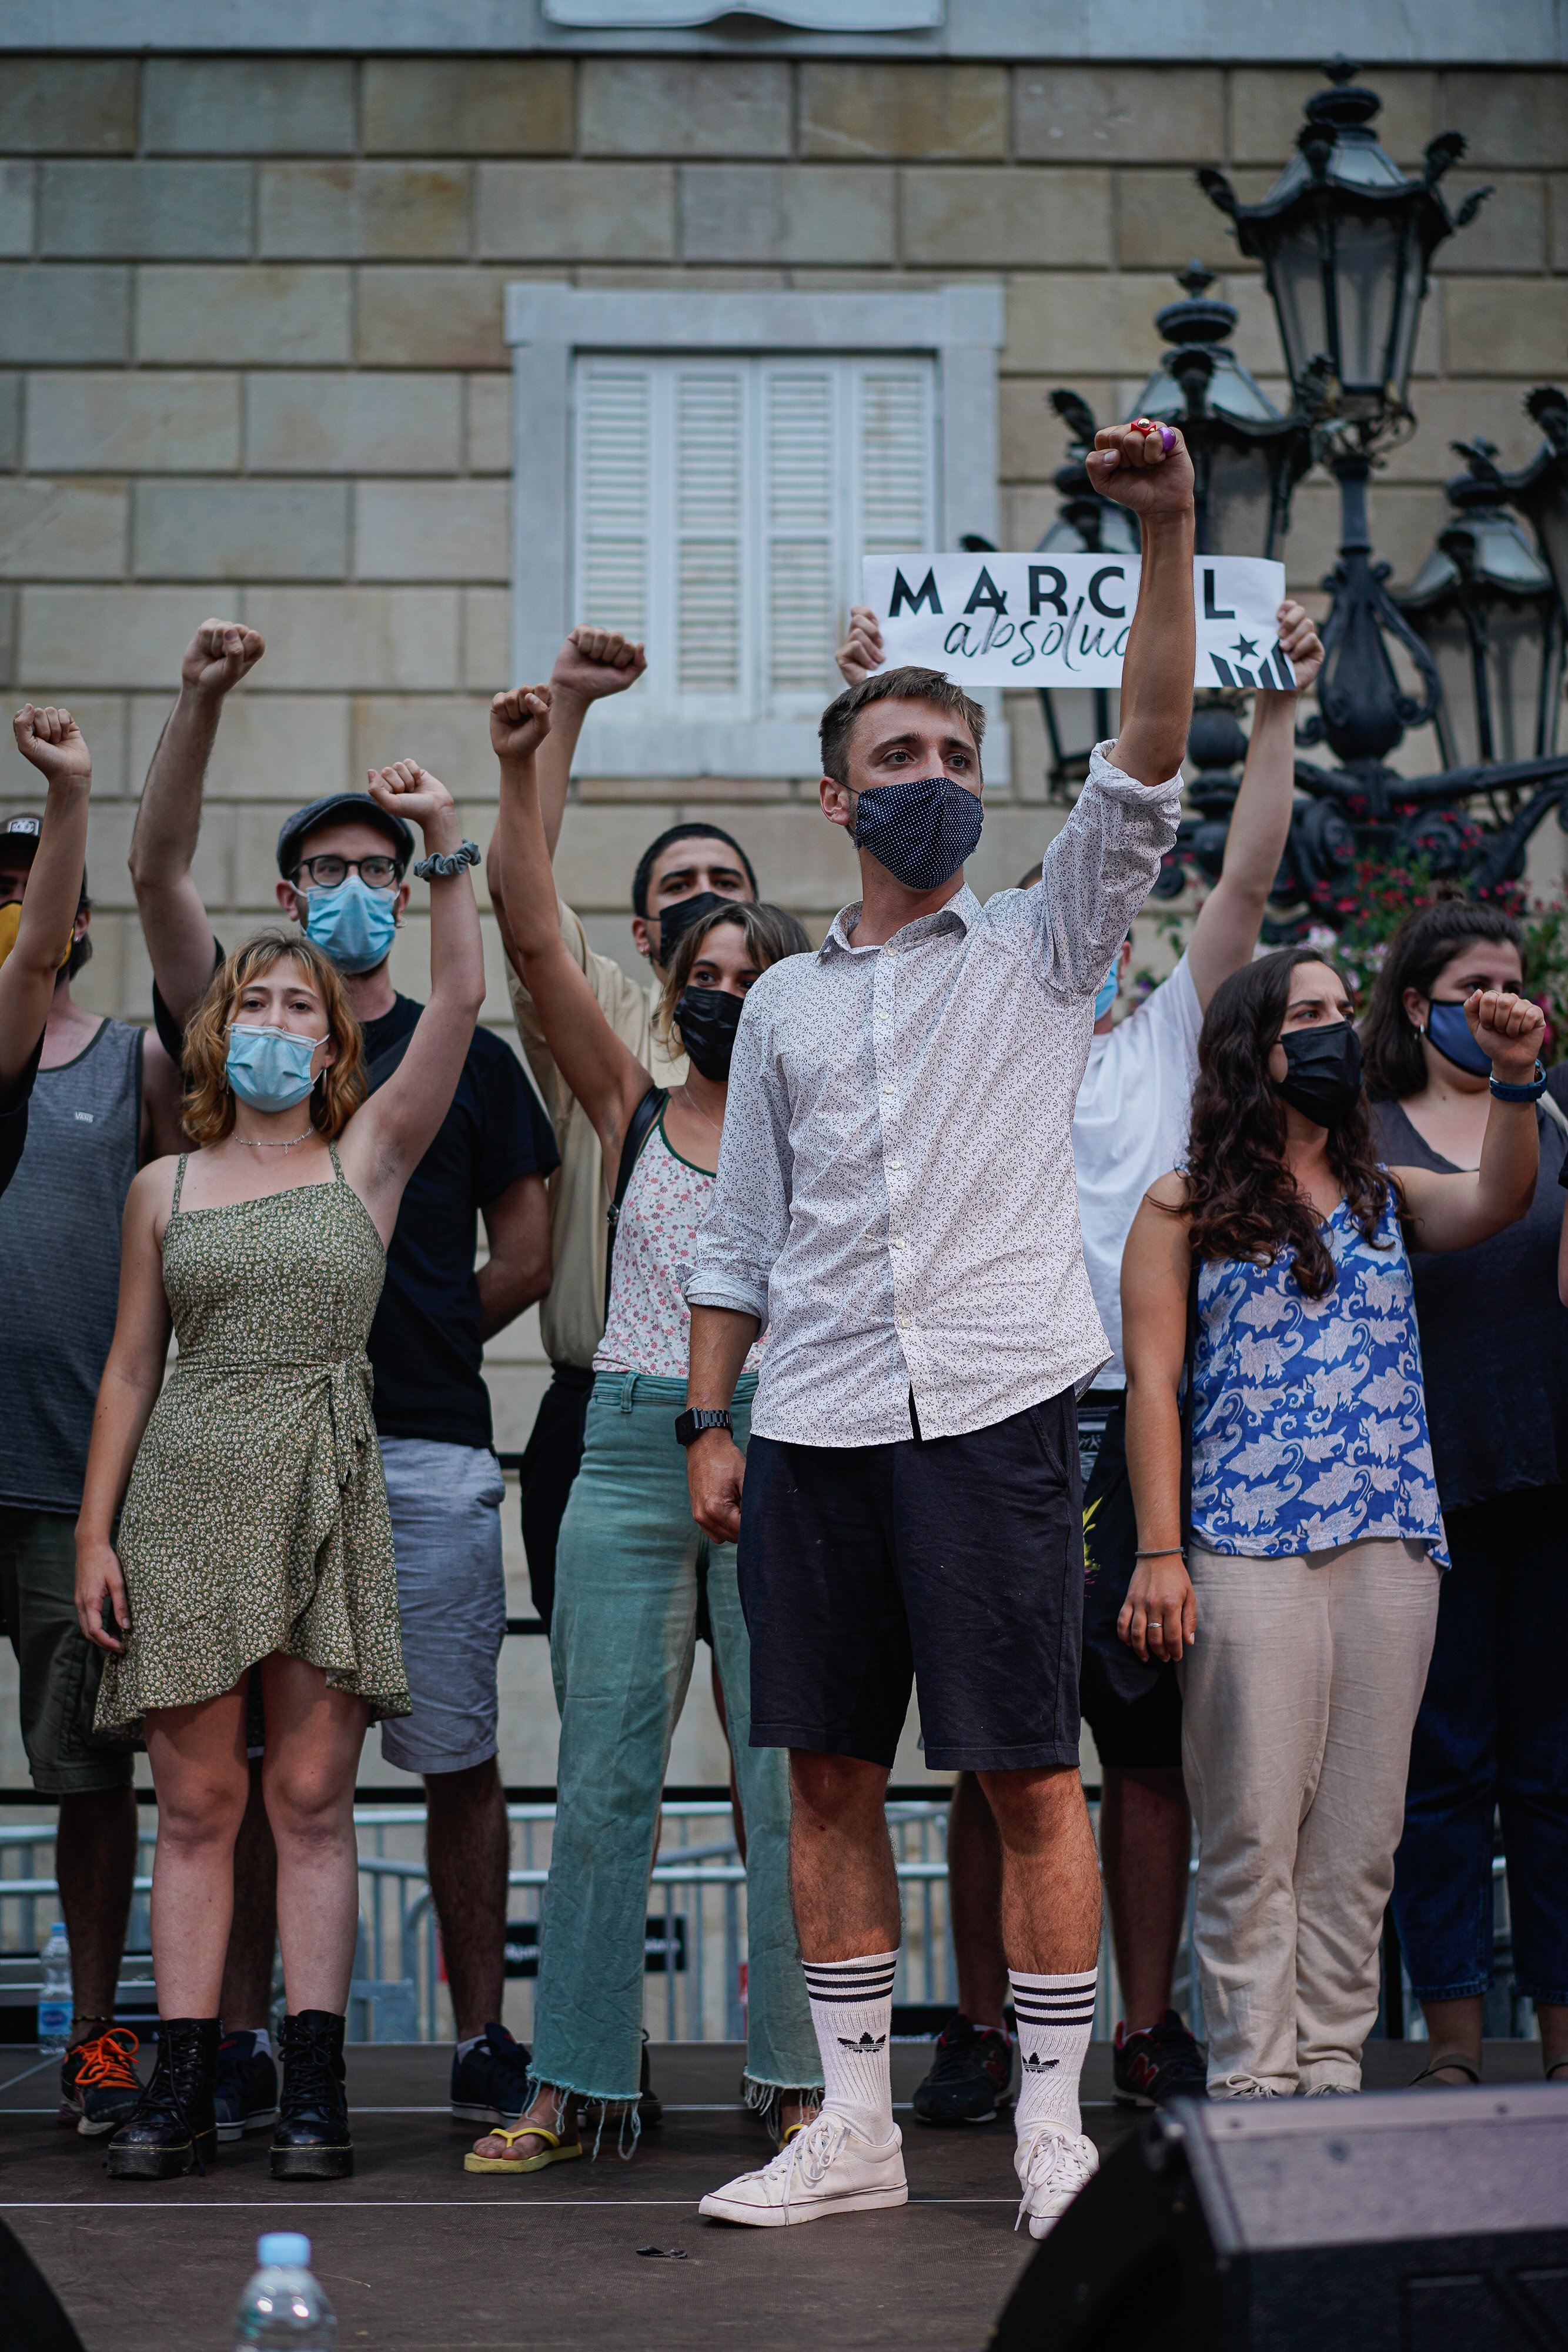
894	443
708	426
614	475
802	526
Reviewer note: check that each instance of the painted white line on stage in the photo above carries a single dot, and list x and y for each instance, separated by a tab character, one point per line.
383	2204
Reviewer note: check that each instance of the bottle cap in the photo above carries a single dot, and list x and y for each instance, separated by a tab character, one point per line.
283	2250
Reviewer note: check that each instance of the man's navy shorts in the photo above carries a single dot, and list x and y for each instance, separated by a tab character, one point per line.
953	1562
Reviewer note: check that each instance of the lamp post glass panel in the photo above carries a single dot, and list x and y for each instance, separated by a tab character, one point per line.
1541	490
1485	605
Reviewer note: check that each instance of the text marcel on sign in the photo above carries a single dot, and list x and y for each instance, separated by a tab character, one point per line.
1064	620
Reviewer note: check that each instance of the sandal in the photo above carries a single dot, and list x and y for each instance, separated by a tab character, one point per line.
1437	2061
553	2151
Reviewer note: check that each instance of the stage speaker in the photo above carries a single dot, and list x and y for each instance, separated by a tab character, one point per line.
34	2320
1434	2222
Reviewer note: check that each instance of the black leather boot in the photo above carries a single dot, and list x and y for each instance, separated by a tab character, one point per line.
174	2128
311	2140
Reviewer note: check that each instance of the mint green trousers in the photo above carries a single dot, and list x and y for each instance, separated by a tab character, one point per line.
622	1638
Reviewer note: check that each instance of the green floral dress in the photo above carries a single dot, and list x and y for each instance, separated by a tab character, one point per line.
256	1518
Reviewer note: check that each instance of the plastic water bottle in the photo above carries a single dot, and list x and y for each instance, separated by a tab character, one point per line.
56	2008
283	2308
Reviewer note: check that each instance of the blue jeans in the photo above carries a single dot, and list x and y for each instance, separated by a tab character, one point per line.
623	1636
1492	1733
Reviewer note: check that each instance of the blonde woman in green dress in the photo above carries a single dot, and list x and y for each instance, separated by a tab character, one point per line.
252	1515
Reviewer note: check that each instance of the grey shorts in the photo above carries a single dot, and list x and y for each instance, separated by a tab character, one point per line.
60	1669
452	1598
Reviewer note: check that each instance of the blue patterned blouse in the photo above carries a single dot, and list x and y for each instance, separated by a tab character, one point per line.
1309	1414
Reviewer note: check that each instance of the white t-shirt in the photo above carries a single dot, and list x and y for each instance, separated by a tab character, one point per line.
1129	1126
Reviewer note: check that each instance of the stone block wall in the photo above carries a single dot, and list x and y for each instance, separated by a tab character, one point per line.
251	361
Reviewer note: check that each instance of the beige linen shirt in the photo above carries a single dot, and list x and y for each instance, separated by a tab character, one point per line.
572	1317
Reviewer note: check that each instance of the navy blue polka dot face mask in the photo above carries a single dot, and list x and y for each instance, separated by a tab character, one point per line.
921	828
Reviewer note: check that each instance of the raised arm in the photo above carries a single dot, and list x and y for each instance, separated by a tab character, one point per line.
132	1376
591	664
1155	482
1159	1614
1451	1212
53	741
390	1133
163	843
606	1077
1231	915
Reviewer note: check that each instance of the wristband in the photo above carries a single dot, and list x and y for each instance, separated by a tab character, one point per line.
448	862
1530	1093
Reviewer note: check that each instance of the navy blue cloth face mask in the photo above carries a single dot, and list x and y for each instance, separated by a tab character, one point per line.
921	828
1451	1033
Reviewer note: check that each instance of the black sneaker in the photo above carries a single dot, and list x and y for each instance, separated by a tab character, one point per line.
246	2094
99	2087
491	2084
971	2081
1161	2063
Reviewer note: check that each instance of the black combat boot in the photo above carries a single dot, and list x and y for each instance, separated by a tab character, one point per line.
174	2128
312	2141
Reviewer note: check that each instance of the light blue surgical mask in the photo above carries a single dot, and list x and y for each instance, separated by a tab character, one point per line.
271	1069
352	925
1109	988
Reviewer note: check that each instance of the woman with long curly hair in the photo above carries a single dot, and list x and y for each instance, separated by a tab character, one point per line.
1298	1586
251	1512
1491	1739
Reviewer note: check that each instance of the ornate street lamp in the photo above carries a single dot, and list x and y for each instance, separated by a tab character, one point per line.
1345	239
1247	457
1540	491
1485	605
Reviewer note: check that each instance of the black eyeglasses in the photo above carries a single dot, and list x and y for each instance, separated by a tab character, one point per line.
326	872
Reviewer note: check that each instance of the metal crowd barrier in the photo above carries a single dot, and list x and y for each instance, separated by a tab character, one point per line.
695	1983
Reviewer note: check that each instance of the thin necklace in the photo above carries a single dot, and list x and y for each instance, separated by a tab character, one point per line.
692	1106
266	1142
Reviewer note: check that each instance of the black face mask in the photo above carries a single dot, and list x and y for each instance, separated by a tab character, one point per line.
707	1019
676	920
1323	1072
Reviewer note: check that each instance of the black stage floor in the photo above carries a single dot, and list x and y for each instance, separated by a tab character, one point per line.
419	2256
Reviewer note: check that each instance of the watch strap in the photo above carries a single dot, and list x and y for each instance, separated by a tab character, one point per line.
690	1424
1532	1092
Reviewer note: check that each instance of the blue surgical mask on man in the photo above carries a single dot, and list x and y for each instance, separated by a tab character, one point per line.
271	1069
351	924
1109	989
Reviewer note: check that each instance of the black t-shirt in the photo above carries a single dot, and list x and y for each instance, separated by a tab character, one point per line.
1494	1333
425	1345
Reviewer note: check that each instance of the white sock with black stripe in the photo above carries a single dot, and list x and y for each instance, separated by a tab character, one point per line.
1054	2017
852	2009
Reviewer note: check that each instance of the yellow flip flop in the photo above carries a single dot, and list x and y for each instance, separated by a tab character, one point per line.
553	2152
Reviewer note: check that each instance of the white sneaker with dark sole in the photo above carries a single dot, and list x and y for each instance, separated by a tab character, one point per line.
1052	2166
825	2169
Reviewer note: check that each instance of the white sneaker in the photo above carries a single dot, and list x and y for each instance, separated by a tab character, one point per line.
1052	2166
826	2168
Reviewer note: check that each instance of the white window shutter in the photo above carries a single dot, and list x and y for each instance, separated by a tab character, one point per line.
802	523
614	474
894	450
709	515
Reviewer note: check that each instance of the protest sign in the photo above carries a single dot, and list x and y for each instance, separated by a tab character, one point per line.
1063	620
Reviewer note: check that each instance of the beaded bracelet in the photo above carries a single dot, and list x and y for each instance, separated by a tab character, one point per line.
449	862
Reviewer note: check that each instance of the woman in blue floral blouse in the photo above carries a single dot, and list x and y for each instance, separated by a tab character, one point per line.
1299	1588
